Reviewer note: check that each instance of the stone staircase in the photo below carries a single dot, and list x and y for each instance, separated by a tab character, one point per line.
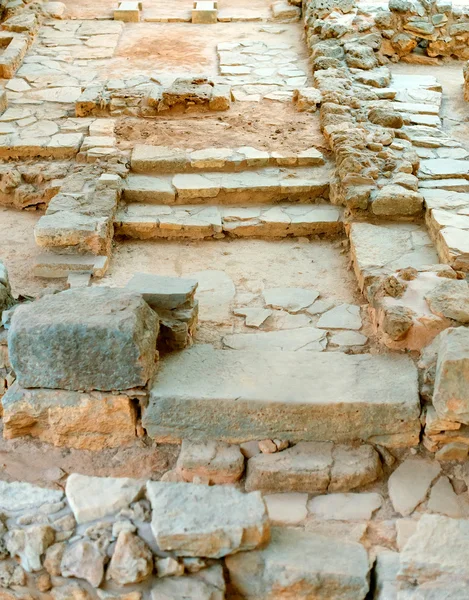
210	193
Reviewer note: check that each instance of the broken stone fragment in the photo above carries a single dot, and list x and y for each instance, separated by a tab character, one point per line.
409	483
169	566
290	299
132	560
216	461
84	339
300	564
83	560
92	498
198	520
30	544
163	292
22	496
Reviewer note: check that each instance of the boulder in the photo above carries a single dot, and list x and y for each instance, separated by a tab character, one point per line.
197	520
84	339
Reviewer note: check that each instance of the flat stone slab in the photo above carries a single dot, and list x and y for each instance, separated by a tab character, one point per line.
313	467
84	339
303	338
345	507
444	168
299	564
290	299
198	520
410	482
206	393
163	292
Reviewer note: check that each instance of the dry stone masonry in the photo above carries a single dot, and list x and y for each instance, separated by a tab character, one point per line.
234	337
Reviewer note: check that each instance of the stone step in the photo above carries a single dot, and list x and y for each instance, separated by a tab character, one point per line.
206	393
54	266
162	159
256	187
146	221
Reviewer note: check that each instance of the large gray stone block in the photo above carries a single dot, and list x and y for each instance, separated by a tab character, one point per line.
227	395
84	339
301	565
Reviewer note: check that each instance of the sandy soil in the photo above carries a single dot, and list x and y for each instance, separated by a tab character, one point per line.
266	125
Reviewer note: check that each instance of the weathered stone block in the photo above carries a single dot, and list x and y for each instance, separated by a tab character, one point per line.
298	564
198	520
205	393
163	292
84	339
215	461
88	421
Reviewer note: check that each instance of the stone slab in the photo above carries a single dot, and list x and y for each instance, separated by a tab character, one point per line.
163	292
198	520
233	396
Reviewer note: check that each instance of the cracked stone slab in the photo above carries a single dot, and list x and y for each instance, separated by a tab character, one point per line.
292	300
18	496
304	338
344	316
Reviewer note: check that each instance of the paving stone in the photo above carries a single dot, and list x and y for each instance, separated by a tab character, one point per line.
204	393
409	483
92	498
215	461
255	317
348	338
206	521
87	338
144	188
87	421
290	299
301	565
288	509
162	292
443	168
345	507
215	293
302	339
437	549
18	496
344	316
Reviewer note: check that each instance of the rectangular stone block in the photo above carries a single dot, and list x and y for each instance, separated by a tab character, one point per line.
299	564
198	520
87	421
204	12
52	265
128	12
84	339
228	395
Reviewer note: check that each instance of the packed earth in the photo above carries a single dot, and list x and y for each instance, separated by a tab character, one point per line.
234	300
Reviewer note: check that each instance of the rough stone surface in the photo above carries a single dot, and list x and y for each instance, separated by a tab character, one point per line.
92	498
345	507
208	584
21	496
204	393
29	545
132	560
163	292
215	461
290	299
83	560
197	520
84	339
299	564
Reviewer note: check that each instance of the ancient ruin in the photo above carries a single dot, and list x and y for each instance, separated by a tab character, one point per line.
234	300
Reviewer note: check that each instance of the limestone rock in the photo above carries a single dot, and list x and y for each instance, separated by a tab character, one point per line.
345	507
290	299
443	499
288	509
301	339
299	564
18	496
132	560
215	293
197	520
313	467
30	544
208	584
84	339
409	483
451	390
163	292
438	548
83	560
53	559
84	420
385	575
216	461
11	574
450	299
169	567
344	316
92	498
